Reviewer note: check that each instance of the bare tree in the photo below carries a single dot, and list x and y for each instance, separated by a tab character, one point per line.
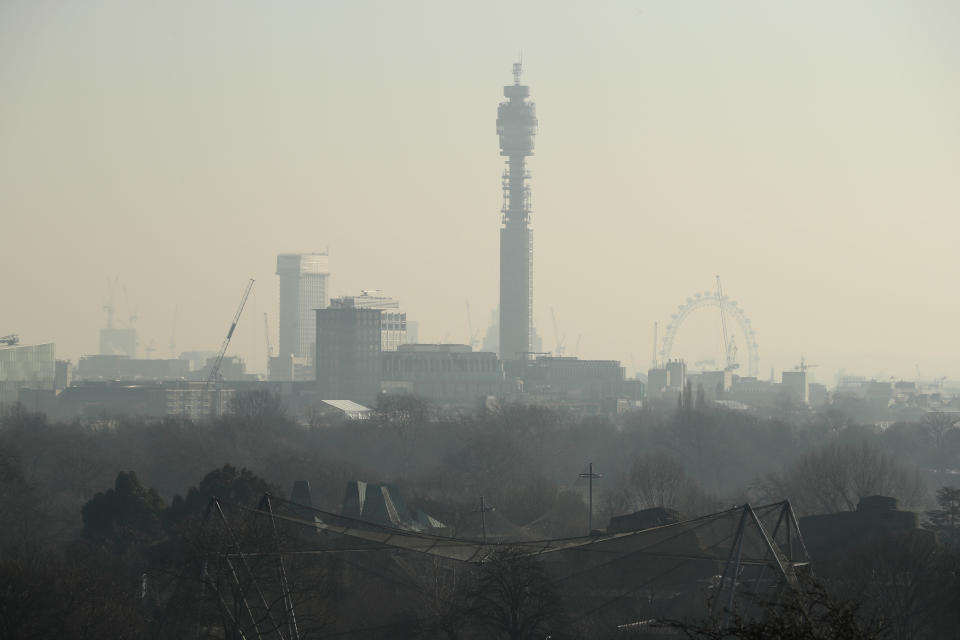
938	424
814	614
513	598
946	520
896	579
834	477
658	480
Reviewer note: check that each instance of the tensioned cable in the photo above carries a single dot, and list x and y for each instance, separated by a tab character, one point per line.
705	520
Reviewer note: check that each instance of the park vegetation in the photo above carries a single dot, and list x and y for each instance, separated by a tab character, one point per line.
106	528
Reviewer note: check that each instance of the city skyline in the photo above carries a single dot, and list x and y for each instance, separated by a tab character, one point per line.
817	179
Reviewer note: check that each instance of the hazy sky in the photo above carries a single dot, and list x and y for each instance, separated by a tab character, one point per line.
808	152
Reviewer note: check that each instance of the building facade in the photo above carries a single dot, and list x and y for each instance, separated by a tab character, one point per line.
795	383
303	289
445	374
582	379
347	360
118	367
26	367
393	321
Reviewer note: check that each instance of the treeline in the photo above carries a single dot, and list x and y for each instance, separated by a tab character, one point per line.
524	460
101	517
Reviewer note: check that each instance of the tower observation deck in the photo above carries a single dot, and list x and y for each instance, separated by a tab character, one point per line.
516	126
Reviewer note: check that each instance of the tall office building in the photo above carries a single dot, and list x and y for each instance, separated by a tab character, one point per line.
516	126
348	353
303	290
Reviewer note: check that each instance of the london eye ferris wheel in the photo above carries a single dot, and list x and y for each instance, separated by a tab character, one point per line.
728	309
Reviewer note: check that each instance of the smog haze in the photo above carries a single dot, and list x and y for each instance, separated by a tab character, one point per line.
806	152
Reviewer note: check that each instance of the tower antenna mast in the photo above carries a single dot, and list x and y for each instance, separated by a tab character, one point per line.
516	128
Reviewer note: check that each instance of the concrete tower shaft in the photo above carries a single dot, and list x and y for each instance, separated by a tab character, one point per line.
516	127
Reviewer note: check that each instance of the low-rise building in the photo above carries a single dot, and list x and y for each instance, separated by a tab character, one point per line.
121	367
658	380
582	379
795	385
715	384
446	374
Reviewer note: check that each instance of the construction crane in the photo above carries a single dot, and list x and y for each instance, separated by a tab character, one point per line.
108	304
803	366
559	341
653	364
474	337
729	346
10	340
132	318
215	369
266	335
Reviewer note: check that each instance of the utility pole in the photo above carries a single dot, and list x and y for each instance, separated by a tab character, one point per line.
483	522
590	475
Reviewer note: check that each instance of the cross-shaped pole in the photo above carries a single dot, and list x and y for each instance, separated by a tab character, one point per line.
591	475
483	523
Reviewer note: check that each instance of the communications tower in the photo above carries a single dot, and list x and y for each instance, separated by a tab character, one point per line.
516	126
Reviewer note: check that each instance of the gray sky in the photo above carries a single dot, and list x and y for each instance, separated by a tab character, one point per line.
808	152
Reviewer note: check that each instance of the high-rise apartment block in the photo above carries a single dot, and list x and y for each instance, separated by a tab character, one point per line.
303	289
